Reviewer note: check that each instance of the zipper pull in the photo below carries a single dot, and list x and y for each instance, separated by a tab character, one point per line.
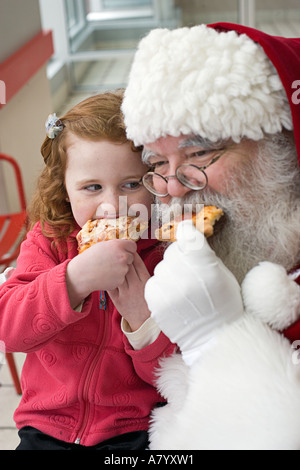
102	303
77	441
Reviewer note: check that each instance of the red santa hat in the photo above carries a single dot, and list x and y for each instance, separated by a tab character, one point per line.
219	81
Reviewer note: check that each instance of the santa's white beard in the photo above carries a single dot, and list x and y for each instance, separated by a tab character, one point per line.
261	203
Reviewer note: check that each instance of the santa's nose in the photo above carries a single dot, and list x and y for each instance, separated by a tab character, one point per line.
175	188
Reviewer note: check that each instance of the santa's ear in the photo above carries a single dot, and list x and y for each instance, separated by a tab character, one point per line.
271	295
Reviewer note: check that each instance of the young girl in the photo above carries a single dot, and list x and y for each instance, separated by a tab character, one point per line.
88	378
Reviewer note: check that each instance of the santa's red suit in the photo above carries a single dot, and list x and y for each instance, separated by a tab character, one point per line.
235	386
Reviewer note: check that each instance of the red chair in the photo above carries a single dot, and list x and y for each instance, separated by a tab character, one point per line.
12	233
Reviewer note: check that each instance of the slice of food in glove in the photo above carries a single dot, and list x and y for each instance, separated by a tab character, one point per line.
100	230
204	221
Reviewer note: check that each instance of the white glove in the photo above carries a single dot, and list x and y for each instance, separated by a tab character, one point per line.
192	293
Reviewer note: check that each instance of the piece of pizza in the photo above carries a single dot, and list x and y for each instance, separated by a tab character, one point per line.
99	230
204	221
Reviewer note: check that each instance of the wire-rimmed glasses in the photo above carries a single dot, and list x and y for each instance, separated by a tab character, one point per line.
188	174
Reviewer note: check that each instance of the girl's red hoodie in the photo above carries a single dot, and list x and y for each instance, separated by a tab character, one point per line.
81	381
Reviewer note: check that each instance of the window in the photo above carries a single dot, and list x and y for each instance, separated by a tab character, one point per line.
75	17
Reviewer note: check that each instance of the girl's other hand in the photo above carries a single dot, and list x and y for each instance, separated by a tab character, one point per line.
129	298
103	266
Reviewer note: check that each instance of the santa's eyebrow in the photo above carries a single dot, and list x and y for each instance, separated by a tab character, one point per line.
146	155
204	143
190	141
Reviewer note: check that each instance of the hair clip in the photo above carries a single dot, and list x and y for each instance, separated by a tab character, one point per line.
53	126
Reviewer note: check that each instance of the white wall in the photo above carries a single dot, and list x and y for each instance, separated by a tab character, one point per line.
22	132
19	22
22	118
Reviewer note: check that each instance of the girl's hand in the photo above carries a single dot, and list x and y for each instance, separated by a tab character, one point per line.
103	266
129	298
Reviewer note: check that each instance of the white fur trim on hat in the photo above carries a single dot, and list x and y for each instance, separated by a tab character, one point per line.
271	295
199	81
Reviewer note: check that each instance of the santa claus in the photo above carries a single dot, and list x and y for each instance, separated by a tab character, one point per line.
214	108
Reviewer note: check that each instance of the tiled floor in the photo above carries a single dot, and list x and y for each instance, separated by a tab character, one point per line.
9	401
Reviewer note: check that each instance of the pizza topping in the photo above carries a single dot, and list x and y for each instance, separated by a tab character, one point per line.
204	222
132	228
99	230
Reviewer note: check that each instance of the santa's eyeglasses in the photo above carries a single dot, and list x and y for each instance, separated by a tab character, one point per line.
191	175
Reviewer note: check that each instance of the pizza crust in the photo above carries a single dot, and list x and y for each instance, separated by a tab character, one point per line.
99	230
132	228
204	221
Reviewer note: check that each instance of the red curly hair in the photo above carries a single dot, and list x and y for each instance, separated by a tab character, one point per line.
98	117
